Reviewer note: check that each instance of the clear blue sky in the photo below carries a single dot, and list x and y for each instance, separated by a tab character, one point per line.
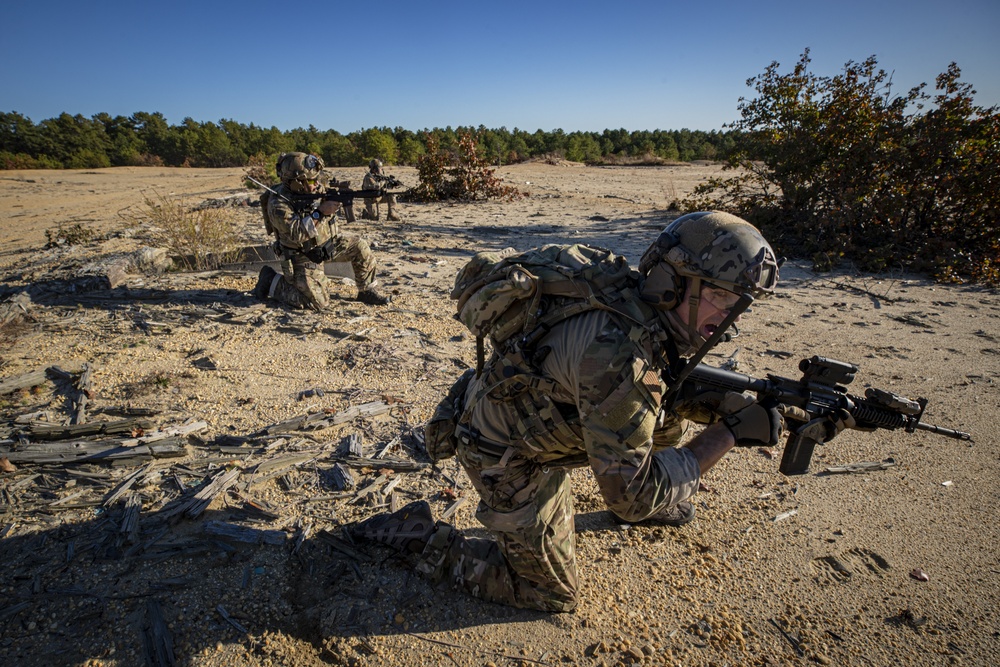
582	65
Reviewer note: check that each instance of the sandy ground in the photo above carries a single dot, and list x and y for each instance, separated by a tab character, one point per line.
776	570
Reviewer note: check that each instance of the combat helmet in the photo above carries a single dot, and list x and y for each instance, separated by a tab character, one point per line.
375	166
708	248
295	169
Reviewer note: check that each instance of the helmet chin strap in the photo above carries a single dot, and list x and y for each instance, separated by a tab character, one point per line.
744	302
694	302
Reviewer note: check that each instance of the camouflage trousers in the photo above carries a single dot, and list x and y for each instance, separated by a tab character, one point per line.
304	283
528	507
371	206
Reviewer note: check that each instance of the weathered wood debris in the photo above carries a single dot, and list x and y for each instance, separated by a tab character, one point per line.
144	478
149	492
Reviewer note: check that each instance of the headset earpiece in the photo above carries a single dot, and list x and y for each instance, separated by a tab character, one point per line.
662	287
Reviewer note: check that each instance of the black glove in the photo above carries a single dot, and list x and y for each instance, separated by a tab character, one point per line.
319	254
757	425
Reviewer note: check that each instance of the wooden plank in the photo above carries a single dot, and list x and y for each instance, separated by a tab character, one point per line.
343	547
23	381
385	450
863	467
164	433
158	644
342	477
364	410
217	486
398	465
110	451
245	534
83	385
450	512
59	432
104	274
193	505
229	619
353	444
129	529
293	424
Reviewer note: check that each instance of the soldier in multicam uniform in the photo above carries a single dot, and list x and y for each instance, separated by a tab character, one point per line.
374	180
307	241
598	401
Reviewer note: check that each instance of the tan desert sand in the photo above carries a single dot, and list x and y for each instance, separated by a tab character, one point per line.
895	566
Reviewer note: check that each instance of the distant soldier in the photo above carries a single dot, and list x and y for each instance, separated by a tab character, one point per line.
375	180
306	240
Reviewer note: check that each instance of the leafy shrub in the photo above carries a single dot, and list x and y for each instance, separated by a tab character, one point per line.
839	167
145	160
202	239
10	160
262	168
460	174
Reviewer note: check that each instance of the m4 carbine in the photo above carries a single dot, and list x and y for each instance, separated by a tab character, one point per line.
304	204
808	402
388	181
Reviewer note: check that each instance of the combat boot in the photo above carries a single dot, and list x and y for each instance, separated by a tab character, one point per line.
392	217
264	281
373	297
407	529
366	215
676	516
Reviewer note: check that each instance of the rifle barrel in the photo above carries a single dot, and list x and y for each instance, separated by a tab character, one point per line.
941	430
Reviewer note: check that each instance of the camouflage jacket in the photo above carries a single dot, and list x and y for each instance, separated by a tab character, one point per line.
596	401
373	181
295	231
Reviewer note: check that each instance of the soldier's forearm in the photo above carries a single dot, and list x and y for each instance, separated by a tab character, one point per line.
711	445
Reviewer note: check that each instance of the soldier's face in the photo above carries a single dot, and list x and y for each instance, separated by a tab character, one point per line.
713	307
305	186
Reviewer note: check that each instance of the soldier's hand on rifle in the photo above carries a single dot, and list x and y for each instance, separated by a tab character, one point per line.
828	427
328	208
836	422
756	425
321	253
733	402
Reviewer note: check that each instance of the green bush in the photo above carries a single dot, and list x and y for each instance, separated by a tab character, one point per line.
840	168
86	158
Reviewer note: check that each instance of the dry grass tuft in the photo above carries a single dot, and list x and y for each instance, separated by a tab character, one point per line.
200	239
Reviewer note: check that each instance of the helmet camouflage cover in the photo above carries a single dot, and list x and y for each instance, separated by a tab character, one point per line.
713	247
299	166
375	165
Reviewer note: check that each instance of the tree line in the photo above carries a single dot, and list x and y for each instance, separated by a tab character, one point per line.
147	139
837	168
